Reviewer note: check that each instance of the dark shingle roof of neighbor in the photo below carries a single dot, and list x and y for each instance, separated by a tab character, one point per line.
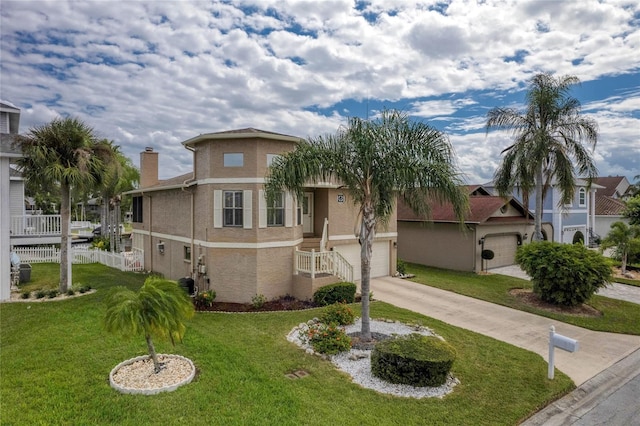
482	207
610	183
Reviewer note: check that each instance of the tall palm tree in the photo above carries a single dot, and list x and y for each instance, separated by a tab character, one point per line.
64	152
120	176
548	143
376	161
158	309
625	238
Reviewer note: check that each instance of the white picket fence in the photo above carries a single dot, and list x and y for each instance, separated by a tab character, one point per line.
81	254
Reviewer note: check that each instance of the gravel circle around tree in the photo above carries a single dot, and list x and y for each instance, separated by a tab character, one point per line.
137	375
357	362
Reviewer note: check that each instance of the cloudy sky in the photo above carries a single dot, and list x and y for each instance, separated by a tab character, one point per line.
155	73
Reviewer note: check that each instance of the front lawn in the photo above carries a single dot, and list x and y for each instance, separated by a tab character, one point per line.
618	316
56	359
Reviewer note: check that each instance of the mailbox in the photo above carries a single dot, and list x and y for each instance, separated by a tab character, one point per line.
565	343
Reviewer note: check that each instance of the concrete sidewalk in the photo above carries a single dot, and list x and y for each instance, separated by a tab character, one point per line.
598	350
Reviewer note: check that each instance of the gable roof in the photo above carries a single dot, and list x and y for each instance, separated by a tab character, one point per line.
610	185
246	133
482	208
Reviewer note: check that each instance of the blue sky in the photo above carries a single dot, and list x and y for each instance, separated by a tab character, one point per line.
146	73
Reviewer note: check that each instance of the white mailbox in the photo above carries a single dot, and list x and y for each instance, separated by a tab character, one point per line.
565	343
559	341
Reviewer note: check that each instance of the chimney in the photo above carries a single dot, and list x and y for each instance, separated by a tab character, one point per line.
148	168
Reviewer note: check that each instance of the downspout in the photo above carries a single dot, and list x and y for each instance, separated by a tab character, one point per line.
185	184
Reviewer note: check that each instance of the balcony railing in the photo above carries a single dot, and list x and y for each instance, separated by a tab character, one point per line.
36	225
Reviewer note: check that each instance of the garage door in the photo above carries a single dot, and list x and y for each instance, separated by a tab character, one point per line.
379	260
504	249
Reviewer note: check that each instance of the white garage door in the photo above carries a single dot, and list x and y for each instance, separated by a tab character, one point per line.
379	261
504	249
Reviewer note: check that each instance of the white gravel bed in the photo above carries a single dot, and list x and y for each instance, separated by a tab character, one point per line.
139	374
357	363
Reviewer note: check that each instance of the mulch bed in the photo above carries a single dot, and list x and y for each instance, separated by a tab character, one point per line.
527	297
283	304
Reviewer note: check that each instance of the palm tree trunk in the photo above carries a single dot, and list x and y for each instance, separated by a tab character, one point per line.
152	353
65	240
623	266
537	232
367	233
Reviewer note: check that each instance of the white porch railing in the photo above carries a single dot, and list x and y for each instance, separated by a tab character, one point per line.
125	261
33	225
324	262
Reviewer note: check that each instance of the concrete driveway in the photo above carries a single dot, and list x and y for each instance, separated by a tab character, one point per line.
597	352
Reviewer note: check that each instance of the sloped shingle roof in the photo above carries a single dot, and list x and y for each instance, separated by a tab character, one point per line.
608	206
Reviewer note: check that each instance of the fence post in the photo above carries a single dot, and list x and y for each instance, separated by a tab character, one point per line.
313	263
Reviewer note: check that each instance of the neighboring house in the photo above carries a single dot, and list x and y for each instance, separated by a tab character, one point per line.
571	222
492	223
215	225
609	202
16	227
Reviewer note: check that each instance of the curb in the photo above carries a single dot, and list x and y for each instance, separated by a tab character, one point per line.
573	406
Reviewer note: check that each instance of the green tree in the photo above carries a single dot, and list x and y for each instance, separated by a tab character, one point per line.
376	161
64	154
632	210
625	238
120	176
548	143
159	309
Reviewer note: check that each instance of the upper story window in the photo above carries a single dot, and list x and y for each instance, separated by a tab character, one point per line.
233	159
187	253
275	211
582	197
232	210
137	209
270	158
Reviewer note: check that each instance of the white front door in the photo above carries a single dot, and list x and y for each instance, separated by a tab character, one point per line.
307	213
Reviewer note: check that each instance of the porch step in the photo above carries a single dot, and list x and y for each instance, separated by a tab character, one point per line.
310	243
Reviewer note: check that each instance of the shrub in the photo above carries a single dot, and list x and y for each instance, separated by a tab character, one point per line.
563	274
70	292
258	301
52	294
41	293
401	267
338	313
326	338
84	288
25	294
413	359
339	292
204	299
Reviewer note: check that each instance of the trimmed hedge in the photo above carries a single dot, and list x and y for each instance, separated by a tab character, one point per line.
413	359
343	292
564	274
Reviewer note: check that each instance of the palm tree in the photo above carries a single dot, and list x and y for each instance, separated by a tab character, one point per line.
625	238
548	141
376	161
64	152
158	309
121	176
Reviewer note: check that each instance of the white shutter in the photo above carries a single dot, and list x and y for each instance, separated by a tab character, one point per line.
288	210
247	209
217	208
262	209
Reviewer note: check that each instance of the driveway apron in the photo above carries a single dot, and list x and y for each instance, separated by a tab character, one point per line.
597	350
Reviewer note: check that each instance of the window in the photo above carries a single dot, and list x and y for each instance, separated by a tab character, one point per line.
232	208
270	158
299	212
233	159
275	211
137	209
582	197
187	253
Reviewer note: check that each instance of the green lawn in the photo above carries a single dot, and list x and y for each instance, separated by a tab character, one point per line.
618	316
56	359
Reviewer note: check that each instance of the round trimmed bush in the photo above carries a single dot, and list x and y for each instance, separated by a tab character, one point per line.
413	359
340	292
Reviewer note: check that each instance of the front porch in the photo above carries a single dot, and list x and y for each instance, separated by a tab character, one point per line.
313	270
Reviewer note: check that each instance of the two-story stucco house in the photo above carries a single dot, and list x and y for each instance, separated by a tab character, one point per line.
215	225
571	222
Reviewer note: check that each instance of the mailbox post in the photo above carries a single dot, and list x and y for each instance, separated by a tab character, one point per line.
559	341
